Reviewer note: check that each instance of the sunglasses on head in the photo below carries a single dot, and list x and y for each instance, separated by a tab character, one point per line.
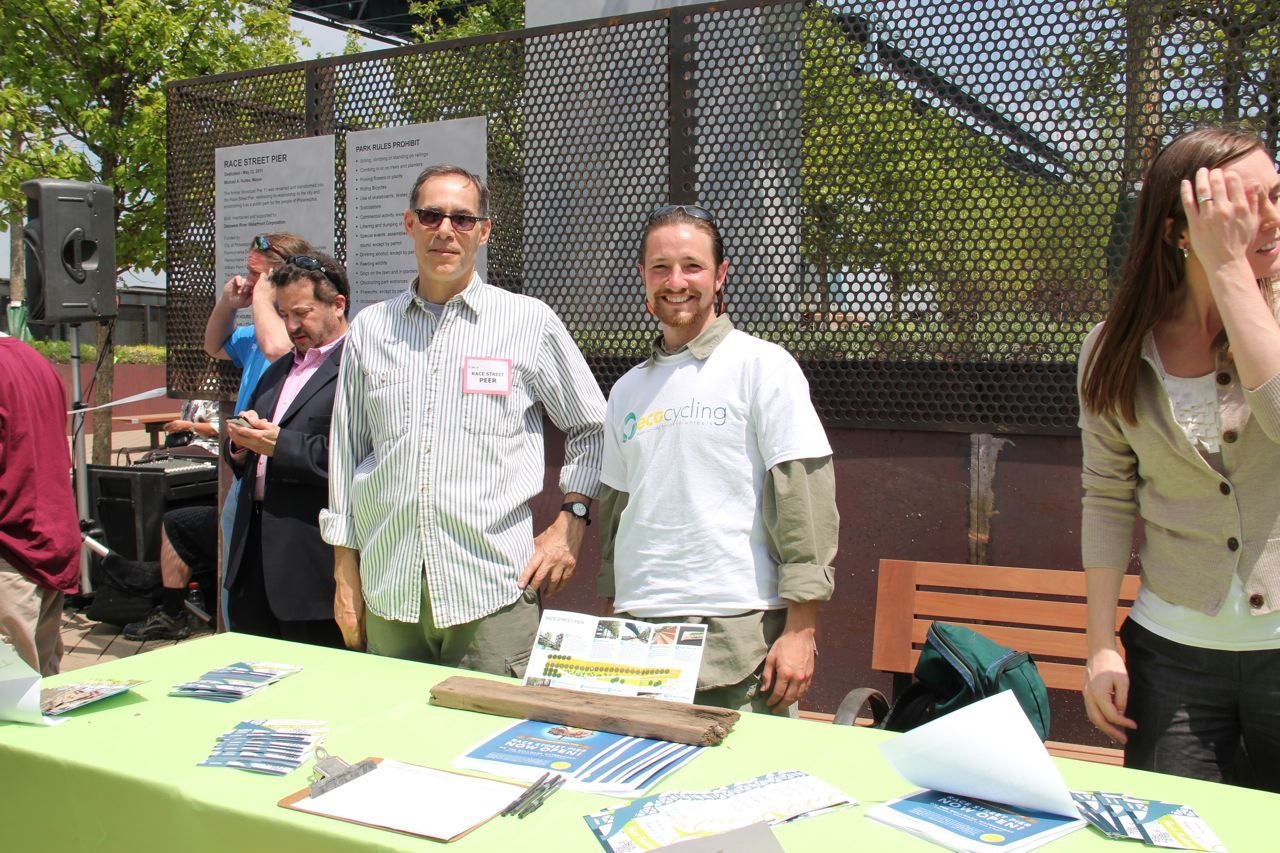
310	264
428	218
262	244
687	209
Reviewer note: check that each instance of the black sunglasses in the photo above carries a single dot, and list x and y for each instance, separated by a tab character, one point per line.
687	209
310	264
428	218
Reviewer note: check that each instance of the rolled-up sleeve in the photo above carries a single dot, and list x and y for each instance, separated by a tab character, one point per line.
803	526
572	399
612	503
350	442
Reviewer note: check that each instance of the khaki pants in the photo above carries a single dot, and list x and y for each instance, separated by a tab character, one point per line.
498	643
31	620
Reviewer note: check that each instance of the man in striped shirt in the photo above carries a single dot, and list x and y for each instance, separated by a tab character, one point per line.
437	449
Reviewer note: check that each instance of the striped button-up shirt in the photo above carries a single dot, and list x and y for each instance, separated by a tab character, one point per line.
430	468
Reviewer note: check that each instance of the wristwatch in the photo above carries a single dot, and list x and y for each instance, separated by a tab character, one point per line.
577	509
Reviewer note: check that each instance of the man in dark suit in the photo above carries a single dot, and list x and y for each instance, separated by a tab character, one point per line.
279	580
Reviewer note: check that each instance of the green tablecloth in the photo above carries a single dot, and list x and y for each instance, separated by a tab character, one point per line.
122	773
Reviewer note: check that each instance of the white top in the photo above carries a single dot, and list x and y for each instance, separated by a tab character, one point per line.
1195	408
690	441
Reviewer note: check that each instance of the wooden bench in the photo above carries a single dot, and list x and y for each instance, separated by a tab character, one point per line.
1041	611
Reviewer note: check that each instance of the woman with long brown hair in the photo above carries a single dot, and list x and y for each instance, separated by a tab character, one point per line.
1180	425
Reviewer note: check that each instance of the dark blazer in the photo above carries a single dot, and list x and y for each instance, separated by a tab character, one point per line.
297	564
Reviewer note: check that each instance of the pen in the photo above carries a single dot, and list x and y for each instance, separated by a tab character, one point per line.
536	802
526	795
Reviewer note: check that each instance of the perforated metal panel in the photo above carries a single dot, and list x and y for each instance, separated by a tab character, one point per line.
923	201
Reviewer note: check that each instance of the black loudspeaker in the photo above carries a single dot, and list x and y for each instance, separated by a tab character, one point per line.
70	245
130	501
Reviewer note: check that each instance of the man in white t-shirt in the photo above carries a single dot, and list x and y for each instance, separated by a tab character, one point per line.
719	489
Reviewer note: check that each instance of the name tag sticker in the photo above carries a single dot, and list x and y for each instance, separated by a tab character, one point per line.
486	376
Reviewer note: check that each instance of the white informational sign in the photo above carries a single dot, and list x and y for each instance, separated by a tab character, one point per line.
381	168
272	186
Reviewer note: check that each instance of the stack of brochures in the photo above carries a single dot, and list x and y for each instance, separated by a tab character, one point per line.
1151	821
598	762
267	746
68	697
236	681
775	798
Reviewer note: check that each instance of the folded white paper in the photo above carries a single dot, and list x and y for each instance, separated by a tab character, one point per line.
986	751
20	690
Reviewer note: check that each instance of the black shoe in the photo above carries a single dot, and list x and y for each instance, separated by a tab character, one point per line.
159	626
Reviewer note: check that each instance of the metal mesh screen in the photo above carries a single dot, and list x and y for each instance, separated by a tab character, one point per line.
924	201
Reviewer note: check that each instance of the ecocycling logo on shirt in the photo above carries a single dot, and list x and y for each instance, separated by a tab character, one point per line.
691	412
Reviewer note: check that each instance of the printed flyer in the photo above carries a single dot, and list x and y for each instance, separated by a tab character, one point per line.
616	656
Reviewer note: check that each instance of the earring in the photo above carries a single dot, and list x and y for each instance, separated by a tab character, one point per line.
1185	251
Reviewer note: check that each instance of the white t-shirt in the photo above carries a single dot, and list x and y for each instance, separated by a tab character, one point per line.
690	442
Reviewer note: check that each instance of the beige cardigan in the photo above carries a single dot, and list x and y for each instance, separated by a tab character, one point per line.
1200	526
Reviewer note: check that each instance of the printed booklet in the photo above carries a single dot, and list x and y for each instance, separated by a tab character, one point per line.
970	825
598	762
650	823
990	784
617	656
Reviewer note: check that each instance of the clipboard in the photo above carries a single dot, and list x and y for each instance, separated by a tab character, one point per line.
407	798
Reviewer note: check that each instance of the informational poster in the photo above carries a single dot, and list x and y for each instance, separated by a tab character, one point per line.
381	168
621	657
272	186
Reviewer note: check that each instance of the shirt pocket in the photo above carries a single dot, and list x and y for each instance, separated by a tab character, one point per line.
494	414
388	398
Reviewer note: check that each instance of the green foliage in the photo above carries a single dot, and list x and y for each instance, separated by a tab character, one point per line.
898	189
92	76
451	19
1218	62
59	352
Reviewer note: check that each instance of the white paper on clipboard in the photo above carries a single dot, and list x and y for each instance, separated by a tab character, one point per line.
422	801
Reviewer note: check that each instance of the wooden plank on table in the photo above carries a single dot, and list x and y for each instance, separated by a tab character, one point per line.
677	722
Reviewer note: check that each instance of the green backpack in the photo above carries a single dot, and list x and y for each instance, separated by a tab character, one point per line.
957	667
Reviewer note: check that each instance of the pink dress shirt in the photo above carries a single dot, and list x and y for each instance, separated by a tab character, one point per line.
304	367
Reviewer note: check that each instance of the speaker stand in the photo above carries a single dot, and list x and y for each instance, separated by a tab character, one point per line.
77	454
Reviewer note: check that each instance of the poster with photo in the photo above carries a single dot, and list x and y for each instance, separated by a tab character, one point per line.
622	657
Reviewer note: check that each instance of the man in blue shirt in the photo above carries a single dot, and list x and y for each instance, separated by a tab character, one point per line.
187	532
252	348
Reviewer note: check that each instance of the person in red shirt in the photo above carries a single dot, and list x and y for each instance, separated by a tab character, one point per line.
39	530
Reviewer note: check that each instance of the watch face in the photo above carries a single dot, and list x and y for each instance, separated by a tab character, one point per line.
579	509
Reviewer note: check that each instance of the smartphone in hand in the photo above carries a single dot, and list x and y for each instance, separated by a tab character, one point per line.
240	422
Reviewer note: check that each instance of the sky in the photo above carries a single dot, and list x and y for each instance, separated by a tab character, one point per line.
324	41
